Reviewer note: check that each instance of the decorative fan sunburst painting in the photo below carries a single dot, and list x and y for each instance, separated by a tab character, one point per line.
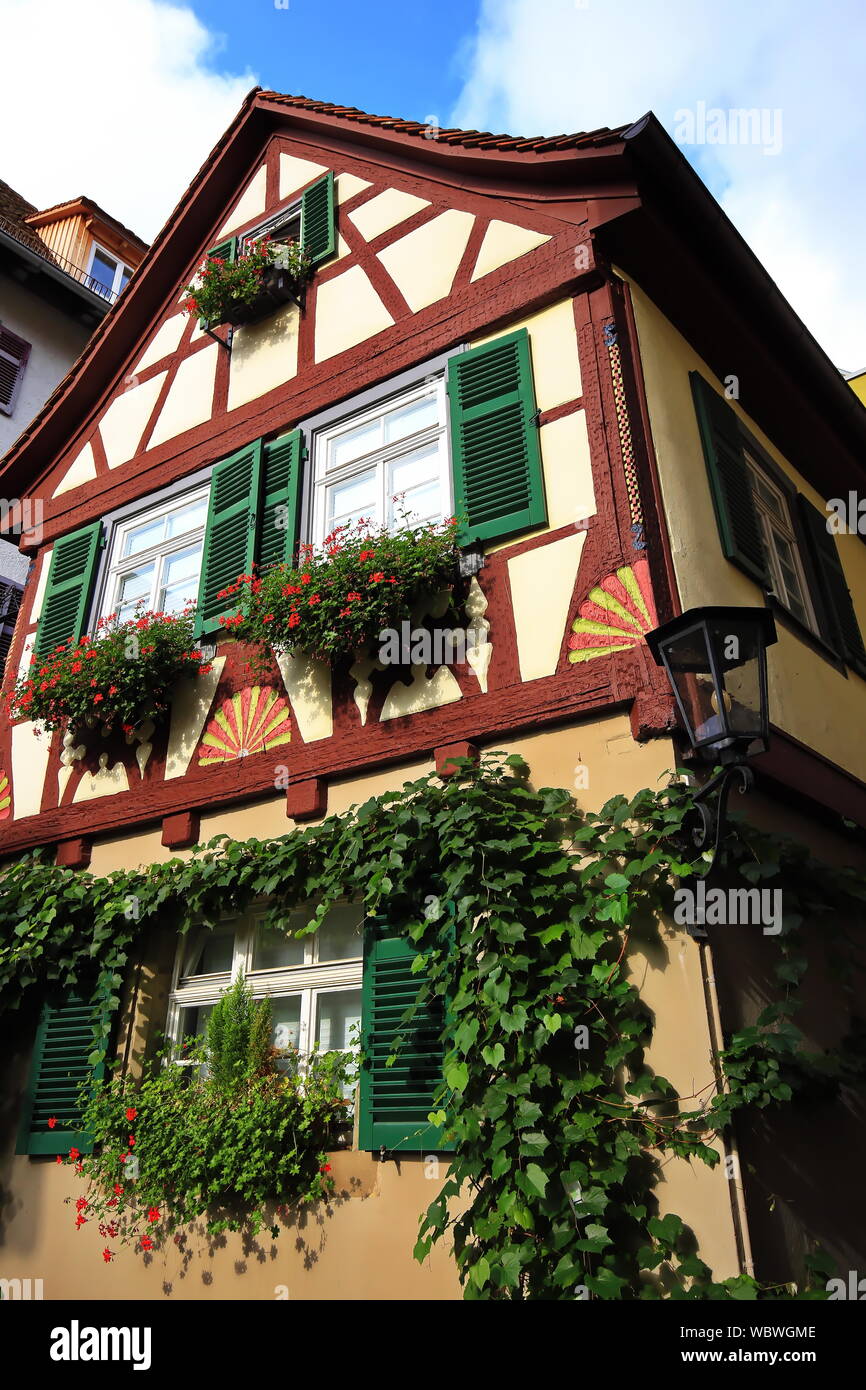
615	615
5	797
252	721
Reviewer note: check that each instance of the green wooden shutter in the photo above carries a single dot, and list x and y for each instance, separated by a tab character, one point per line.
730	481
230	534
498	482
64	1042
225	250
318	220
395	1101
836	616
70	581
281	469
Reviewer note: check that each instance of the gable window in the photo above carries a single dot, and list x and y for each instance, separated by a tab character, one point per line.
285	225
156	557
313	982
383	462
14	356
774	534
108	275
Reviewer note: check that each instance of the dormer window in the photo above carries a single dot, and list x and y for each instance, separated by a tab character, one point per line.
106	274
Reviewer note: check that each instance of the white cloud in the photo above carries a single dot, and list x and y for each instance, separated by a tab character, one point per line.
115	99
556	66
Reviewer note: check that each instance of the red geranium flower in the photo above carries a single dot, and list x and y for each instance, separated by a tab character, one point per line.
153	1214
74	1153
131	1114
107	1255
146	1243
51	1122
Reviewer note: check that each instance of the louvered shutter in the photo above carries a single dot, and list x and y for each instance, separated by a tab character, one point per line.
70	581
230	534
14	355
836	615
281	470
730	481
498	483
395	1101
318	220
60	1063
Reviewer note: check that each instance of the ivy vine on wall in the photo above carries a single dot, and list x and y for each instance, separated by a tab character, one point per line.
523	909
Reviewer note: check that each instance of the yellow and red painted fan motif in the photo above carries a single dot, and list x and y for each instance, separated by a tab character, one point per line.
5	797
252	721
615	615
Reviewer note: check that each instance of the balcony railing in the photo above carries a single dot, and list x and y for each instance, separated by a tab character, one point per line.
69	268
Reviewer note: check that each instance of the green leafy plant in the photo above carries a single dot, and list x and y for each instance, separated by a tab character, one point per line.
337	600
118	679
522	909
221	284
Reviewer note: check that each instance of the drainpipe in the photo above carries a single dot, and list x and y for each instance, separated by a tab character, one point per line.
735	1184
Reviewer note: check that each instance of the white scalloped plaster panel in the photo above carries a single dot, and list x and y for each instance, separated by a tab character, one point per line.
29	766
542	585
250	204
264	355
555	361
504	242
82	469
123	423
189	710
347	185
308	684
190	399
348	311
385	210
296	173
108	781
164	342
441	689
424	262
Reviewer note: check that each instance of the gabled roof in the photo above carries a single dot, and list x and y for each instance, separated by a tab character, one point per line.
15	210
659	222
43	216
468	139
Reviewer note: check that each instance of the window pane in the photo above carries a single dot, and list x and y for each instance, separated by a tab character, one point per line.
180	578
340	935
135	588
337	1013
211	952
103	269
355	443
143	537
353	499
286	1014
187	518
420	415
274	949
414	481
124	277
193	1022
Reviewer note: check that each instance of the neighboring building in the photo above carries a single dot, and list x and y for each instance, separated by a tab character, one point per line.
857	382
61	270
587	299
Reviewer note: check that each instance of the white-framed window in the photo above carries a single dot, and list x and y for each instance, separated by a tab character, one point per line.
284	225
155	558
385	461
780	543
108	275
313	982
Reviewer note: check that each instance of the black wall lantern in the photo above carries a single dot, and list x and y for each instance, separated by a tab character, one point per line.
716	662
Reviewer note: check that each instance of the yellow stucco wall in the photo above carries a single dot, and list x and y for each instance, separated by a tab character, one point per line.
362	1244
809	698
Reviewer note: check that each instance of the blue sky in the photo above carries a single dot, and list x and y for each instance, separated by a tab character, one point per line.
123	100
391	57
